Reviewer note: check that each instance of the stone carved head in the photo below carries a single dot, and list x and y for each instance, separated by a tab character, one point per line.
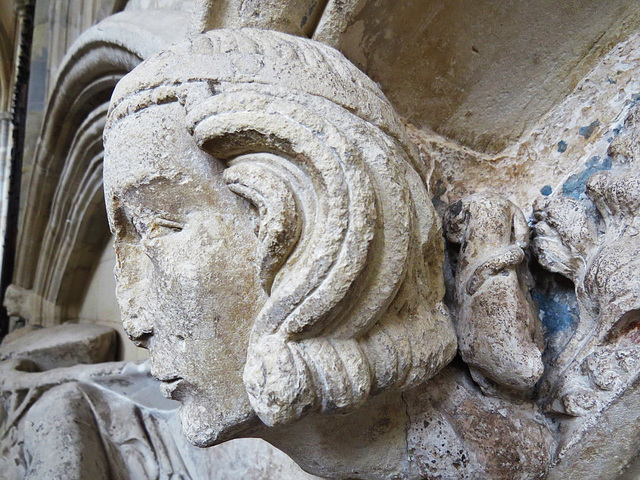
320	274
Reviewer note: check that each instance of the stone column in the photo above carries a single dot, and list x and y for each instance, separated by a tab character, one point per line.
5	168
11	150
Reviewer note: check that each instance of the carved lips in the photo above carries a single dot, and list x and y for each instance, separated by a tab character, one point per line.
169	387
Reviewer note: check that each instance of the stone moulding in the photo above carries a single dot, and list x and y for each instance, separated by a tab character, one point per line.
69	153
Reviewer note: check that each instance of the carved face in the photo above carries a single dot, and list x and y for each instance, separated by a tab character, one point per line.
187	282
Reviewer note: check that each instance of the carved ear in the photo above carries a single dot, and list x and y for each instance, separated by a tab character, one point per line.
334	195
254	177
330	193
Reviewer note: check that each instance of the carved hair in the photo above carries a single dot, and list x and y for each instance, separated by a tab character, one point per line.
350	246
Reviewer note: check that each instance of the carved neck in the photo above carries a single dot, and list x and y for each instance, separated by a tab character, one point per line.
369	443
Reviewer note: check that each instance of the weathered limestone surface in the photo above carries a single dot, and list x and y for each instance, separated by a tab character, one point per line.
104	420
457	432
563	148
482	73
297	17
592	239
336	290
273	228
61	346
499	334
279	255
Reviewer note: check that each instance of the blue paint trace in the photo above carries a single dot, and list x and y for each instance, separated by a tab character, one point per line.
546	190
616	131
587	131
562	146
575	185
558	312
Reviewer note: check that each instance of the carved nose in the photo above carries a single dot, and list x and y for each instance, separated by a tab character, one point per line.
138	329
135	321
132	291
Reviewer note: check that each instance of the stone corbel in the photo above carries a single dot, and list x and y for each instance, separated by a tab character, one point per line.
349	289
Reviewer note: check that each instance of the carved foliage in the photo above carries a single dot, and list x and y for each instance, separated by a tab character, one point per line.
594	242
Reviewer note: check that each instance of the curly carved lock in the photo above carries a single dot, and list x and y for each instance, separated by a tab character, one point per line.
346	229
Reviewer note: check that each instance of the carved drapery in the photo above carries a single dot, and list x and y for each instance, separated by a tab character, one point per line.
342	324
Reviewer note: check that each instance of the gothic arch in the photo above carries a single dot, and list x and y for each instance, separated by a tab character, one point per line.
64	227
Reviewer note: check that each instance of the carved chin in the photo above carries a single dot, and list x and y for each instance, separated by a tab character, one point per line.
199	425
209	425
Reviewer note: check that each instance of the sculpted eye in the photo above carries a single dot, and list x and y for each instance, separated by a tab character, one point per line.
162	226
